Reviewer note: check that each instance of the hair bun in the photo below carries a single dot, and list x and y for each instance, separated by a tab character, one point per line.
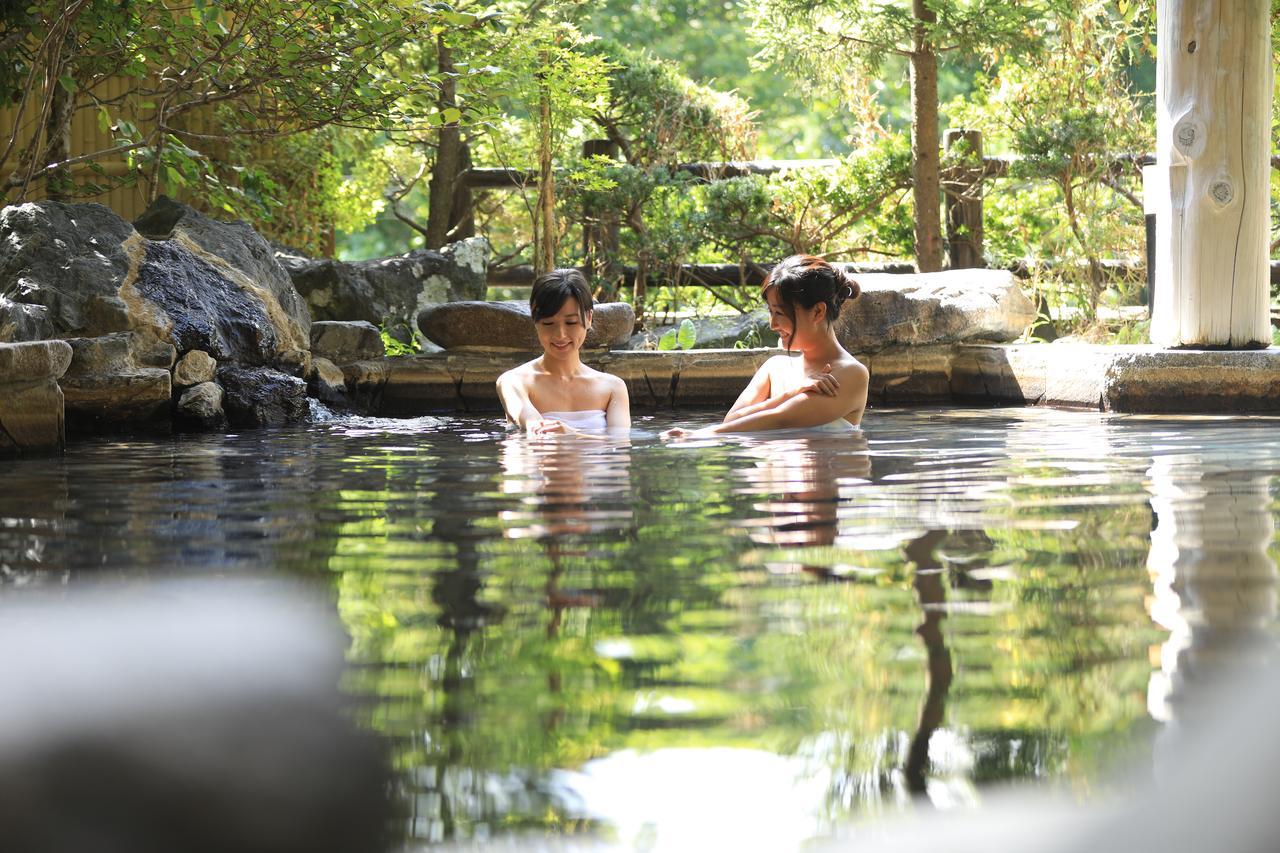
847	287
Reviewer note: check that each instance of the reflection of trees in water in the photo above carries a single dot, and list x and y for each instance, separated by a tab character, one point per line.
189	505
927	579
1214	582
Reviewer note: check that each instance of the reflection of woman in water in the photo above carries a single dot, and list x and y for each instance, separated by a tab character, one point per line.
825	388
556	392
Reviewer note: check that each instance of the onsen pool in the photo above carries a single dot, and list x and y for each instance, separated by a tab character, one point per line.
749	641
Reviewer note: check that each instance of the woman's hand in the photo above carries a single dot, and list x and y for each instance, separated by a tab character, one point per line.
823	383
551	426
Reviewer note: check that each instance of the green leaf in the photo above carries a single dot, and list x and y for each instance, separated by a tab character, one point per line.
668	340
68	82
451	115
687	335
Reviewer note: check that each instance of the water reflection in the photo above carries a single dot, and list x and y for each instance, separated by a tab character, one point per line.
555	635
1214	581
797	487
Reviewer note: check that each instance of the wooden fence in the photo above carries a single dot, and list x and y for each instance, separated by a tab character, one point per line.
88	135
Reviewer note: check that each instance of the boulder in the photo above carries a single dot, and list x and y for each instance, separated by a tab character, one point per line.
181	278
326	382
22	321
261	396
31	403
194	368
345	342
945	307
200	406
509	325
118	382
722	332
390	292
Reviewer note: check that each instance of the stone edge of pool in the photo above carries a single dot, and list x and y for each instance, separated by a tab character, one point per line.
1136	379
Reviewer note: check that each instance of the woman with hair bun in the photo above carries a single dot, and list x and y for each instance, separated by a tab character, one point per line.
824	388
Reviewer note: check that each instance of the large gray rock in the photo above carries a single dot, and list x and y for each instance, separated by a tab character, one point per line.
181	278
945	307
390	292
22	321
724	332
31	403
258	397
203	717
509	325
345	342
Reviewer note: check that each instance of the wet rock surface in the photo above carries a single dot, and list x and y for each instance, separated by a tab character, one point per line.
194	716
206	310
509	325
79	270
261	396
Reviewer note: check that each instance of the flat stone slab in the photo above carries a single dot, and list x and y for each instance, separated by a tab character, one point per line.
491	325
1108	378
137	400
1119	378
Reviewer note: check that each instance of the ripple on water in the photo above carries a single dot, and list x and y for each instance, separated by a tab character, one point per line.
578	635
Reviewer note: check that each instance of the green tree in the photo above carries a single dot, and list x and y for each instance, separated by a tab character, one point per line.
1071	117
273	68
843	44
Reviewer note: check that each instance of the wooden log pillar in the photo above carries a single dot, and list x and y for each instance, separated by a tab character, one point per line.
600	240
1213	125
963	193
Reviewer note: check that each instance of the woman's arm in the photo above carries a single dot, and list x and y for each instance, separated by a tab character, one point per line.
801	410
515	399
617	415
756	393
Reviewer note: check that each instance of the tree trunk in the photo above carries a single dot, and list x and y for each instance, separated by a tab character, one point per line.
925	168
462	214
444	175
58	142
545	254
1213	124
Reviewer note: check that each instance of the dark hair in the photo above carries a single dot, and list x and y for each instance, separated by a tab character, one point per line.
551	289
810	280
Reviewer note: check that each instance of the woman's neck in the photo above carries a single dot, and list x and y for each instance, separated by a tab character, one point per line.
824	350
562	368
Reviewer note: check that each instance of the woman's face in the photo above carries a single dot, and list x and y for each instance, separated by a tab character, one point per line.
790	332
563	333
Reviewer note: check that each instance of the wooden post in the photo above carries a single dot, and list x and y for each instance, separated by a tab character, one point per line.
963	193
600	232
1213	124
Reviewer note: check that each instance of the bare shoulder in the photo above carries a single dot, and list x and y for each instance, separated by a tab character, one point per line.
777	362
605	380
853	367
519	375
